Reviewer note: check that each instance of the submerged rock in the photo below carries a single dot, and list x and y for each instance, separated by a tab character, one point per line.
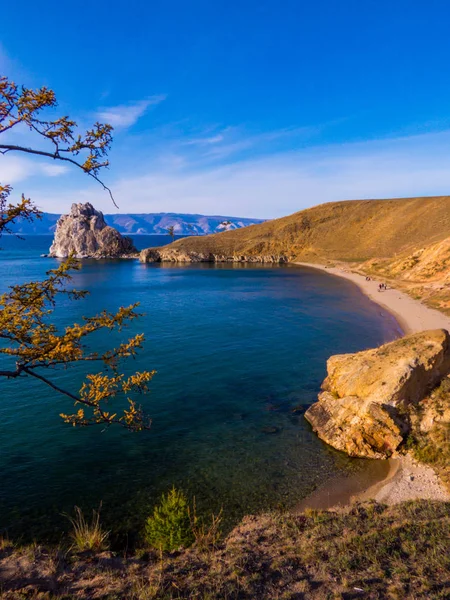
85	233
168	254
368	397
270	429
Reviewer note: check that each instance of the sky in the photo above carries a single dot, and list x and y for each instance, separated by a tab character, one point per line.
249	108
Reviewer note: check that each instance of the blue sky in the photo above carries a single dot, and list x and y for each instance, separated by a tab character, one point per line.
239	108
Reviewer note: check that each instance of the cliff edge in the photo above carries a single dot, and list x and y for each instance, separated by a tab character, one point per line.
370	399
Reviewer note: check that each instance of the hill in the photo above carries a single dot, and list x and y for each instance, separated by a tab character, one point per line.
351	231
405	242
146	223
369	551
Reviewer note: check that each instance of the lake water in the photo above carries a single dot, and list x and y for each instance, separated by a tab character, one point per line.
240	353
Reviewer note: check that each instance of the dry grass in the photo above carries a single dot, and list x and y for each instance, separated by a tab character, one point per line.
88	536
369	552
433	445
206	535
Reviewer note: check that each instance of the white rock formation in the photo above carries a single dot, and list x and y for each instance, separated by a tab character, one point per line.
85	233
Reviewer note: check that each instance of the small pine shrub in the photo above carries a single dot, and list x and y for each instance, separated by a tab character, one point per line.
169	528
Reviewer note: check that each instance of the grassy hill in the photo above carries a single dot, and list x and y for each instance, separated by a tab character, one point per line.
370	552
355	230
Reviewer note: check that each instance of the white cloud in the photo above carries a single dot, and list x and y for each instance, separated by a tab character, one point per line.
126	115
53	170
15	168
215	139
280	184
234	141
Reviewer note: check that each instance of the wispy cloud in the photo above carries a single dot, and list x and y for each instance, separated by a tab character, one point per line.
15	168
206	141
282	183
126	115
52	170
234	142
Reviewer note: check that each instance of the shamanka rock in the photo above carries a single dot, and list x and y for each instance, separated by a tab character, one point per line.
368	398
85	233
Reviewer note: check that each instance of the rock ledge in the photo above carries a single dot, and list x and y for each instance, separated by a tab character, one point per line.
168	254
368	397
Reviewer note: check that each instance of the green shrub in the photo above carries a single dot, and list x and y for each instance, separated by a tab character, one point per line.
170	527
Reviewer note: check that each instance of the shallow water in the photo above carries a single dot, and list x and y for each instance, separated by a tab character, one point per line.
240	353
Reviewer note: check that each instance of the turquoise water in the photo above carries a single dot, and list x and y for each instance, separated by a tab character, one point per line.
240	353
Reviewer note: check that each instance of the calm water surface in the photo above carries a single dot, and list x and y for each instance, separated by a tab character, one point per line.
240	352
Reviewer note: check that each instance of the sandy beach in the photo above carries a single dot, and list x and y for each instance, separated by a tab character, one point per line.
402	478
412	315
390	481
407	480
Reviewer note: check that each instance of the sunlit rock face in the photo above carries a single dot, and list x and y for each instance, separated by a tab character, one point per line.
368	397
170	254
85	234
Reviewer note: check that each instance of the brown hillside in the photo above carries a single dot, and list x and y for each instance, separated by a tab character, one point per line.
354	230
368	552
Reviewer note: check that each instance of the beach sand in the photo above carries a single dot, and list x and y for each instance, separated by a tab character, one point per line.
390	481
407	480
401	478
411	315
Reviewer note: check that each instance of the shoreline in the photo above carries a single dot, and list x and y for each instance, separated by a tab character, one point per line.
391	481
402	478
412	315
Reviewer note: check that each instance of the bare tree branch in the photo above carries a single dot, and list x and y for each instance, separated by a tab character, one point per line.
4	148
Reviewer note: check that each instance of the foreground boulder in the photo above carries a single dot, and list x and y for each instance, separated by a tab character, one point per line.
367	399
84	233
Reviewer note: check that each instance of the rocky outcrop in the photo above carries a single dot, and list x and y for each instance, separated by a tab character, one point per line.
168	254
84	233
368	397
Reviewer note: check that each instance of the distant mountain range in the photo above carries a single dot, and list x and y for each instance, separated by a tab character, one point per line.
150	223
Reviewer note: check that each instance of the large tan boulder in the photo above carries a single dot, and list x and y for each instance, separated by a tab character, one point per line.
364	408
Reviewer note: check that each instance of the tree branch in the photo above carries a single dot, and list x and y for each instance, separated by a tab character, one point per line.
4	148
52	385
9	374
